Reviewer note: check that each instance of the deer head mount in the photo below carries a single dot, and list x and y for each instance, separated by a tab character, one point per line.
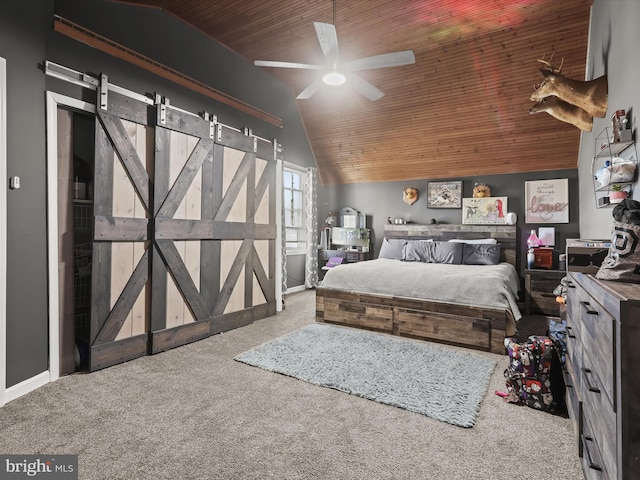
591	96
565	112
410	195
574	101
549	65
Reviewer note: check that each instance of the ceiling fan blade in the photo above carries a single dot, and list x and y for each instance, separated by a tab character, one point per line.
268	63
328	39
364	87
394	59
310	90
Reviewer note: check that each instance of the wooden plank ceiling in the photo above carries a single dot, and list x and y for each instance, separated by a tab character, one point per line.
460	111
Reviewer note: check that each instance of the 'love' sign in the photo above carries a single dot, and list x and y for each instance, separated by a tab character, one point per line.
547	201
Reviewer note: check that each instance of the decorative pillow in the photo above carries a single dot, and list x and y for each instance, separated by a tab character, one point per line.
480	254
392	248
488	241
415	251
623	259
432	252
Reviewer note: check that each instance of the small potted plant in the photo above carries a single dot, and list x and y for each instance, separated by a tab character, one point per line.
617	194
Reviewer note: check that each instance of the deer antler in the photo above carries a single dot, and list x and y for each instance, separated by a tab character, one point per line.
550	65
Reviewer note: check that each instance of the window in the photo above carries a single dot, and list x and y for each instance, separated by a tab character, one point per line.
294	213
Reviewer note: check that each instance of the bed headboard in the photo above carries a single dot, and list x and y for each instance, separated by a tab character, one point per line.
504	234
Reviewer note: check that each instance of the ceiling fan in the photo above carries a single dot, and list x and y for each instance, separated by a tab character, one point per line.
337	73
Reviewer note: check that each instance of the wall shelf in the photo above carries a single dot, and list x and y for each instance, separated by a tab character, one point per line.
614	164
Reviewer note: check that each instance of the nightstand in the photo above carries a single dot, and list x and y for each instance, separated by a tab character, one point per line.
538	291
349	257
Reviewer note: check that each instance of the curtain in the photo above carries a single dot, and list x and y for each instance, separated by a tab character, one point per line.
311	215
283	241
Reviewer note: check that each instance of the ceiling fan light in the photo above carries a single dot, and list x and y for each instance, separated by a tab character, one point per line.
334	78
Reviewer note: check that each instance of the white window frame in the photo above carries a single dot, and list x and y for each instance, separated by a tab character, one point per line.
289	167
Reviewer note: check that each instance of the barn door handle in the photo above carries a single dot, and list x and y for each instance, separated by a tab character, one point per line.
590	461
587	375
586	306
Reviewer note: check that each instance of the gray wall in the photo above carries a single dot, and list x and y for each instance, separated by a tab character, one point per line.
384	199
26	40
614	37
295	270
22	44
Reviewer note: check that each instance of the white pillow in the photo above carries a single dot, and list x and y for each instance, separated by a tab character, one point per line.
486	241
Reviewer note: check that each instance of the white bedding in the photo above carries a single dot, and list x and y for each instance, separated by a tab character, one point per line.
494	286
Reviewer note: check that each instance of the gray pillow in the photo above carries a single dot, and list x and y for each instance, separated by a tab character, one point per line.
480	254
432	252
416	251
392	248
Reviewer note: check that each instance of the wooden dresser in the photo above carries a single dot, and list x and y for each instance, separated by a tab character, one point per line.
603	375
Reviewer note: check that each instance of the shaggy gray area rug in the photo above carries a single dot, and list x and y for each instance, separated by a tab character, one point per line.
438	382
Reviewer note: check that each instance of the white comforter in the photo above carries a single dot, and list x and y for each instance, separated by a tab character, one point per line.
494	286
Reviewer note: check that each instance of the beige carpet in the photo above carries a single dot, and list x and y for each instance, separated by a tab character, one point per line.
195	413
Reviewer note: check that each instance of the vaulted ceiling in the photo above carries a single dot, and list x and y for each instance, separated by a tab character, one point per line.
461	110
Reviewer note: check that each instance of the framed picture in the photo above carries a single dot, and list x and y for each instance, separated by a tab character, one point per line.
547	236
484	211
547	201
444	194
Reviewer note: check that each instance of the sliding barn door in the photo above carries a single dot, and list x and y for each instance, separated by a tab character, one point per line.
120	303
184	230
214	229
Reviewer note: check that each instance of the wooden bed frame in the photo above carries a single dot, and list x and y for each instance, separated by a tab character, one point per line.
467	326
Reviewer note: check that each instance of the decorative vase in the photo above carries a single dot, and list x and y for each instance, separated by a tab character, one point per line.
616	196
533	240
531	258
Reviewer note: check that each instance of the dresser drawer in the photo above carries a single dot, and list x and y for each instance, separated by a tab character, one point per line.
571	397
544	303
573	360
597	341
573	311
592	466
599	432
574	350
353	256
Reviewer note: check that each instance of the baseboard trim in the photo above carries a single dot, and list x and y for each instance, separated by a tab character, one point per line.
297	288
26	386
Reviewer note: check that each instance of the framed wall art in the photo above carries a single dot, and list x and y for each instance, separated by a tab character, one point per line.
484	211
444	194
547	201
